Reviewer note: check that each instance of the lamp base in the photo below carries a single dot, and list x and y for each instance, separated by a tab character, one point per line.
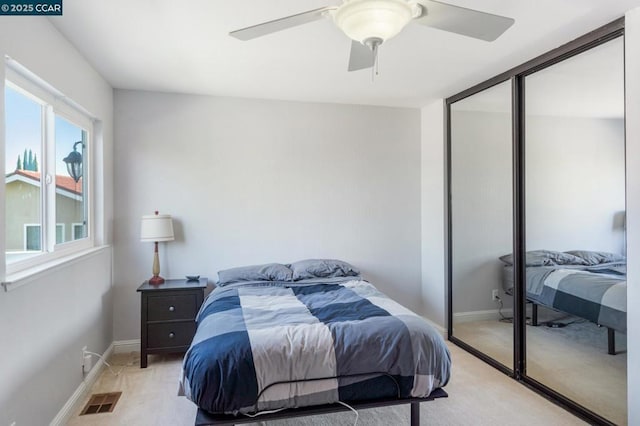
156	279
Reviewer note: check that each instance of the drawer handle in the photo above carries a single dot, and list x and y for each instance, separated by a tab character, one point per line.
172	335
172	308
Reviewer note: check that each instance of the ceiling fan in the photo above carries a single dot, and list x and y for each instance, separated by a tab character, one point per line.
369	23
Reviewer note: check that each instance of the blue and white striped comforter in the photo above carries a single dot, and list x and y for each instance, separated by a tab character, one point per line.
264	346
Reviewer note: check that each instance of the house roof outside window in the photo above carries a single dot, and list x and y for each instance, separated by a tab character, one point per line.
65	185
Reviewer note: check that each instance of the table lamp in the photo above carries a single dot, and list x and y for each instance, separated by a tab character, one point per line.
155	228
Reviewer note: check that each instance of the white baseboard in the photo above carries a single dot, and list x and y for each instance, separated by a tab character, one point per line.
488	315
69	408
124	346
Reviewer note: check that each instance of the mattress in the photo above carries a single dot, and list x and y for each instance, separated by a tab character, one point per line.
273	345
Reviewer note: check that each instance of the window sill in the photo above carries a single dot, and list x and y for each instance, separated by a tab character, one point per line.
21	278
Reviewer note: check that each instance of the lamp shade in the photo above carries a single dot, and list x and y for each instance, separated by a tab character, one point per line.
156	227
362	20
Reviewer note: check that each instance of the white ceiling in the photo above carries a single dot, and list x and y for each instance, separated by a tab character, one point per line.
183	46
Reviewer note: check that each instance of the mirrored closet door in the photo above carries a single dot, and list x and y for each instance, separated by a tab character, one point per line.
575	233
536	224
481	205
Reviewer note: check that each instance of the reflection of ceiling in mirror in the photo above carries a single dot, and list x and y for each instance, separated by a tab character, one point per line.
494	99
587	85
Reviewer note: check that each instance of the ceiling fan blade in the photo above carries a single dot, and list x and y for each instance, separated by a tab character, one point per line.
361	57
265	28
460	20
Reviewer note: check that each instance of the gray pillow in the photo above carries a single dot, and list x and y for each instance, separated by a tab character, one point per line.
597	257
322	268
267	272
547	258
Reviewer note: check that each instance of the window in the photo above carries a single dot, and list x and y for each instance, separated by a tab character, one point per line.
32	237
60	233
47	149
70	140
23	152
78	231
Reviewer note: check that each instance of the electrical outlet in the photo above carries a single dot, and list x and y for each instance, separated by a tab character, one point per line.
495	295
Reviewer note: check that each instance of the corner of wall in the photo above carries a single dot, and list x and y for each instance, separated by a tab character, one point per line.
432	212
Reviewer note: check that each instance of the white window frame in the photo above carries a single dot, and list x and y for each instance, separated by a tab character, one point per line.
55	104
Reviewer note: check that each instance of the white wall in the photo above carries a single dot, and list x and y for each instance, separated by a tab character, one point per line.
575	183
481	194
45	323
433	212
251	181
632	87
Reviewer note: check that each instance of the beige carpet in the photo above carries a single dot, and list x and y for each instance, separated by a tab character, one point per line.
572	360
478	395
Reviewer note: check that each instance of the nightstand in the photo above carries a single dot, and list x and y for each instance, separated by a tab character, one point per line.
168	313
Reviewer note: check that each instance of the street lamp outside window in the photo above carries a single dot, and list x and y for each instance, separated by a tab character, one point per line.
74	162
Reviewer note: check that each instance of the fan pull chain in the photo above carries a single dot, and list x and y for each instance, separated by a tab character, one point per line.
374	69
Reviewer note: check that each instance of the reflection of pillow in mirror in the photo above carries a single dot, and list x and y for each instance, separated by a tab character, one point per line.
597	257
322	268
618	268
267	272
546	258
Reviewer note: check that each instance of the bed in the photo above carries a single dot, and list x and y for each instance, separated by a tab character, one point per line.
288	340
587	284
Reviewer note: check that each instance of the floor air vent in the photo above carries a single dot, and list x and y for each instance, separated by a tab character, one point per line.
101	403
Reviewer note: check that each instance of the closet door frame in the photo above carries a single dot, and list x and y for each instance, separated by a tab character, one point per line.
517	77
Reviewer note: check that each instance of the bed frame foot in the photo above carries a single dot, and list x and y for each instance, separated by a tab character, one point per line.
415	414
534	314
611	341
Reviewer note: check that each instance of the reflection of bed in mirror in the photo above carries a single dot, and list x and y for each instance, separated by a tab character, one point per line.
586	284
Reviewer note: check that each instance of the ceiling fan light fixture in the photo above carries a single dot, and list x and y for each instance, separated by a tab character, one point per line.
363	20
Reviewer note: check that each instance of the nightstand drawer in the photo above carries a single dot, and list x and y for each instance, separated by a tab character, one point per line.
163	307
173	334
